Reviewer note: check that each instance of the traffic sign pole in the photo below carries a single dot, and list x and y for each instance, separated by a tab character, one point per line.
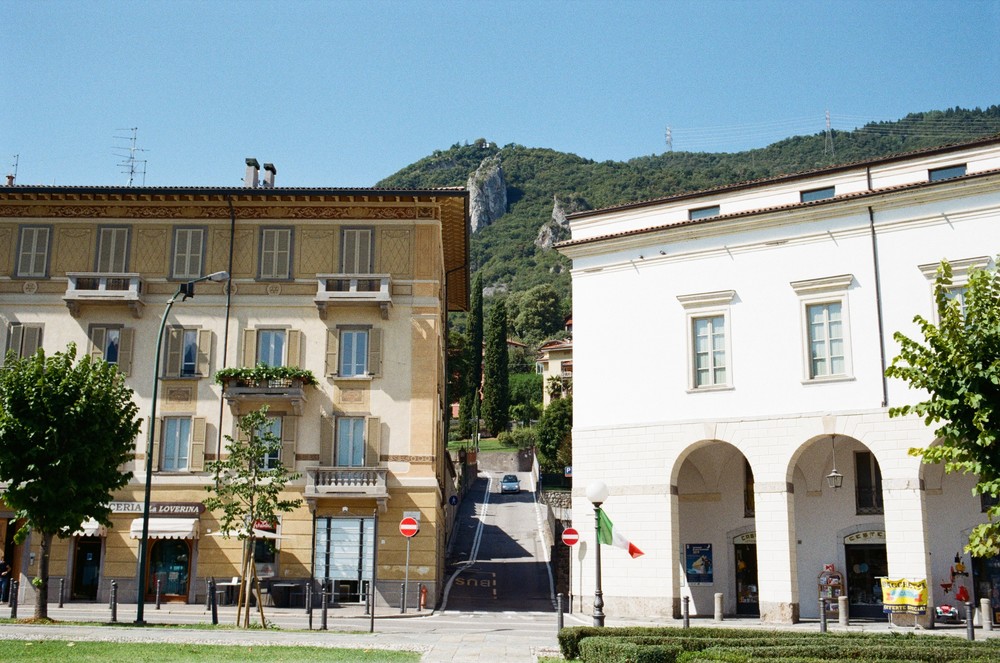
406	576
408	527
570	536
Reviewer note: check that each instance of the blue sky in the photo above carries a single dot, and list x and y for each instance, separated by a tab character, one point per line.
345	93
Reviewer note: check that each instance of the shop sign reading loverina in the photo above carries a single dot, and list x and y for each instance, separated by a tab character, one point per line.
193	509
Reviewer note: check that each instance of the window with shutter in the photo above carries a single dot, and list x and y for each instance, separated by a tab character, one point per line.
188	253
350	442
356	251
176	444
275	253
112	249
113	344
23	339
33	252
353	351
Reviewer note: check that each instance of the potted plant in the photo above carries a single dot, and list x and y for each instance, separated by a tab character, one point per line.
264	376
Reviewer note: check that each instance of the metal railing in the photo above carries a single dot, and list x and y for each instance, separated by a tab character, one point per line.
333	480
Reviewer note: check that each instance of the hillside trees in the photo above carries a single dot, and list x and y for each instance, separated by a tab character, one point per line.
66	430
496	394
958	365
536	313
468	410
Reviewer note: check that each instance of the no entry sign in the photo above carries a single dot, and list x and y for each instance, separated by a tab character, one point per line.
570	536
409	527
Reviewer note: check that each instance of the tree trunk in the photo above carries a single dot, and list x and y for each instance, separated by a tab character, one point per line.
42	589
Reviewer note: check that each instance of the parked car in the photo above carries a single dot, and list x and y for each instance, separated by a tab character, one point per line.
510	484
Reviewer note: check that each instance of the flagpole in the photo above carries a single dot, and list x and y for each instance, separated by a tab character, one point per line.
597	492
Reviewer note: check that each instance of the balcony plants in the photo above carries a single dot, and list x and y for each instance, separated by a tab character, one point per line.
264	376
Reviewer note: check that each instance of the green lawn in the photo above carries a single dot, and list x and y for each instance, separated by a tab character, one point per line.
485	444
137	652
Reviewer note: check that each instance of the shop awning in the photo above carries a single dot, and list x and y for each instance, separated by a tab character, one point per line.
166	528
91	527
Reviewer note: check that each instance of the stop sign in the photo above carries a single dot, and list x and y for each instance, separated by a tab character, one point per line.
409	527
570	536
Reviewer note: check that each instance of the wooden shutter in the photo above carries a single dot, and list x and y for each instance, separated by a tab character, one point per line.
31	341
326	458
375	351
98	335
267	254
196	459
288	427
250	347
373	446
332	343
204	352
175	351
126	338
294	355
14	343
157	432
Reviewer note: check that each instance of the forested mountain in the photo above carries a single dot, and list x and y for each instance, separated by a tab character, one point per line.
514	252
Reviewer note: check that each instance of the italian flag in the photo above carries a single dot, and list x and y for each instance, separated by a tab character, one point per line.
610	535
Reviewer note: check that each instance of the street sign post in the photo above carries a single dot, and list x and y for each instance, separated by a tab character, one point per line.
408	527
570	536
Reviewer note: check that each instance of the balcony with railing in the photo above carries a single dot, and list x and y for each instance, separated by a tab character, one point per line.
249	388
122	289
368	482
353	289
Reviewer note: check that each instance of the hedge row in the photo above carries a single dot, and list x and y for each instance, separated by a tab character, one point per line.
728	645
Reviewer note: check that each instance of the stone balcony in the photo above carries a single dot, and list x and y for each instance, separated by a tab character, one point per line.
243	394
354	289
366	482
105	289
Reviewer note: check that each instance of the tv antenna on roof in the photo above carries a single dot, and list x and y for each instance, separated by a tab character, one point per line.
669	136
131	166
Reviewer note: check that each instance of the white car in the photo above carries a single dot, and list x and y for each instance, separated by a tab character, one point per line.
510	484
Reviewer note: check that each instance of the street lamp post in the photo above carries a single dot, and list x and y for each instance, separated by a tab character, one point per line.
184	291
597	493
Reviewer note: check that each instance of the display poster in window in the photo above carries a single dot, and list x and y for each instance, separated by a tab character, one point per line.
904	596
698	563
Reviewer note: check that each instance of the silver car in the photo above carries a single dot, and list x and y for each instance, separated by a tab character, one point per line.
510	484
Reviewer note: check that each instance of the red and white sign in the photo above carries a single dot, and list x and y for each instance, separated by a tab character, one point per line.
409	527
570	536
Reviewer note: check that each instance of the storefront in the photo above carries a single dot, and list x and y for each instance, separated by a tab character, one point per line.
867	564
986	579
87	552
345	556
745	554
169	556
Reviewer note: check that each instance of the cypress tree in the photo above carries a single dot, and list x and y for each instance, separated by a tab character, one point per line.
496	390
468	411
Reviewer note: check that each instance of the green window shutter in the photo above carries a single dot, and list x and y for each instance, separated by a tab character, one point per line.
204	352
175	350
97	338
196	459
157	432
125	350
249	347
332	343
375	351
326	441
32	341
294	355
373	445
288	426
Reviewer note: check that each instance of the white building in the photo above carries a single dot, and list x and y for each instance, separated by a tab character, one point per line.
730	347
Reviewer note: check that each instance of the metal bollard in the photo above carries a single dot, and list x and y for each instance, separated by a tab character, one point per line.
326	599
62	590
214	601
686	611
14	588
970	626
420	591
114	601
718	606
985	613
309	599
157	593
844	611
402	599
559	612
822	616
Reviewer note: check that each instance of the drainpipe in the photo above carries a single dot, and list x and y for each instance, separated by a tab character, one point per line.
229	305
878	300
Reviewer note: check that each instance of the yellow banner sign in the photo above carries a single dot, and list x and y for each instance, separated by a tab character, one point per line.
904	596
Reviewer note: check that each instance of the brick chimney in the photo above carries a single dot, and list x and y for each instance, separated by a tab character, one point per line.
269	172
253	169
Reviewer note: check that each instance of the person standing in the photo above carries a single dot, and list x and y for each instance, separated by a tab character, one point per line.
4	580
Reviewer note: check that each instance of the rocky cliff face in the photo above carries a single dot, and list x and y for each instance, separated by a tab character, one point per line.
557	228
487	193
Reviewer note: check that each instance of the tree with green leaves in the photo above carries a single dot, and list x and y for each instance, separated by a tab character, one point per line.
468	409
66	429
496	378
537	313
555	435
248	488
958	365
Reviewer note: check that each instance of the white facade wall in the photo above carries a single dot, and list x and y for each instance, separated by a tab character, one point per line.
673	456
